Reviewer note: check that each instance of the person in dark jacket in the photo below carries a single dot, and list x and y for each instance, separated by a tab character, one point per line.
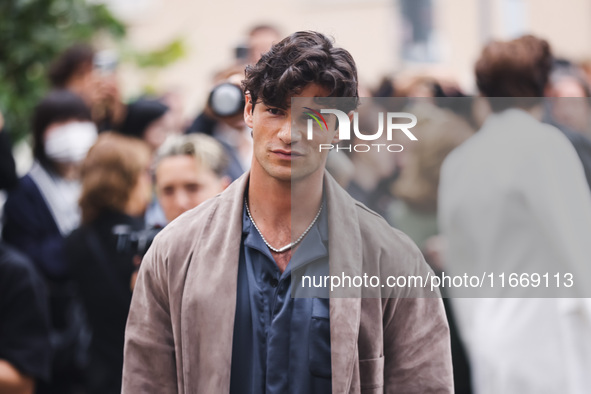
42	210
115	193
25	349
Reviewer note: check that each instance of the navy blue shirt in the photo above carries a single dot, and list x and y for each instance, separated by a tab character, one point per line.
281	344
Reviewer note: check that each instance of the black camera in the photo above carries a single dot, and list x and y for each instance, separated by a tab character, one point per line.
136	243
226	100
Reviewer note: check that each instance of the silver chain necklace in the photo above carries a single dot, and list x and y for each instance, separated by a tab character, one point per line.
290	245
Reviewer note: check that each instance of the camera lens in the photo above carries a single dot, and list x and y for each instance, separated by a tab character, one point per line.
226	100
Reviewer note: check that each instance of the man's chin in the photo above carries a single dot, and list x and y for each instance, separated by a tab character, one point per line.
281	174
292	174
302	174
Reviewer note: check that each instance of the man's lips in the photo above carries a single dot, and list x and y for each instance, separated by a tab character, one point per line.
287	154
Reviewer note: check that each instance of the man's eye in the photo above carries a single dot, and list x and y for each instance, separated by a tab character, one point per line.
275	111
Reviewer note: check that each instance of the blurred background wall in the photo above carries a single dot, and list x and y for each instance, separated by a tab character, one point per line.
386	37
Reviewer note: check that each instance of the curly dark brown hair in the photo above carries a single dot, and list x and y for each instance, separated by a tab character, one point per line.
302	58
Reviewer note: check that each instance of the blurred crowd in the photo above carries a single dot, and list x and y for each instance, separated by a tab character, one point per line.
108	174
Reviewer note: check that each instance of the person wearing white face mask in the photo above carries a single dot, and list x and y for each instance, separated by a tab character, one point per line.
43	209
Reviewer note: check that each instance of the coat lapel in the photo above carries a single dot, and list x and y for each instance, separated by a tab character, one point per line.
345	257
209	299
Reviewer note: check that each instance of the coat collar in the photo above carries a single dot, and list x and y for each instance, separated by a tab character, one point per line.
344	248
209	301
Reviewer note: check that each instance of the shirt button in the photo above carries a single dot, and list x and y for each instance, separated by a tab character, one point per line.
274	283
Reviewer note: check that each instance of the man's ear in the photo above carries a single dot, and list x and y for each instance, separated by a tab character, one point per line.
248	109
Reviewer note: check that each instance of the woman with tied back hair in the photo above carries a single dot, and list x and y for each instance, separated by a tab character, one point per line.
513	199
116	189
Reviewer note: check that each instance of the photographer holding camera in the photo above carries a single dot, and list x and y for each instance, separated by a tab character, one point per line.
116	189
223	119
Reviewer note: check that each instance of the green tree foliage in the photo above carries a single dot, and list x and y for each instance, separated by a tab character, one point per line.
160	57
32	33
152	61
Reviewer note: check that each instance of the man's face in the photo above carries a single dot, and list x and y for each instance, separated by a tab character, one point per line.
183	183
280	152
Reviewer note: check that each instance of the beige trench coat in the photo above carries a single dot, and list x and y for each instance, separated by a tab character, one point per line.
180	326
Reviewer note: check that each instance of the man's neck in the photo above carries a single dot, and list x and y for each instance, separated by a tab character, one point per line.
271	199
270	203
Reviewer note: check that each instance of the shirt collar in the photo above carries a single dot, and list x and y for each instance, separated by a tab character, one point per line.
313	247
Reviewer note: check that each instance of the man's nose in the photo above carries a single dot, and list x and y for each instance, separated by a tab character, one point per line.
289	132
284	133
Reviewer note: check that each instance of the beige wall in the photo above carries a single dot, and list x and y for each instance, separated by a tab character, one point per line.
566	24
365	28
369	29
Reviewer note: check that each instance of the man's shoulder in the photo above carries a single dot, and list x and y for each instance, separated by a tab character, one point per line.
377	233
369	219
388	252
204	223
189	224
198	235
172	249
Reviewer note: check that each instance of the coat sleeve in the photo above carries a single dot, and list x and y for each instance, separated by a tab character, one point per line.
149	355
417	348
418	356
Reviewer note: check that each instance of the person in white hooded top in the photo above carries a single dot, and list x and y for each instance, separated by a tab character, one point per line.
513	199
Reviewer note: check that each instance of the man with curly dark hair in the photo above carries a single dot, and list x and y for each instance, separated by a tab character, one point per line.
213	310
